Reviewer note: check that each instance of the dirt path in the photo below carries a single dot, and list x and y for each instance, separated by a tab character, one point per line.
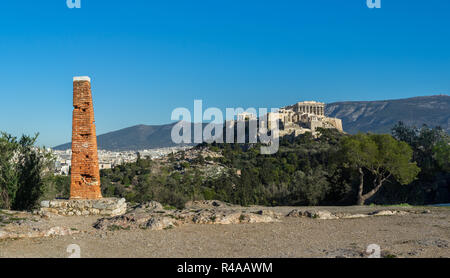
412	235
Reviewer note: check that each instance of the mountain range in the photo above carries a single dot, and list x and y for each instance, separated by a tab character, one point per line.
381	116
139	137
357	116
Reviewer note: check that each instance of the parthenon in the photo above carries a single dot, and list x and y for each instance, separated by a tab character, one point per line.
303	117
311	107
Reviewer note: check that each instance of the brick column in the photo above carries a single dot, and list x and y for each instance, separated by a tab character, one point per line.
85	175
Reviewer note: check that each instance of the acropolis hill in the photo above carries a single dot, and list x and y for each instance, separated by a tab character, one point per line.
303	117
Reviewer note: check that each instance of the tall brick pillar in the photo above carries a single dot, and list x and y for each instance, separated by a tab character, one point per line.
85	175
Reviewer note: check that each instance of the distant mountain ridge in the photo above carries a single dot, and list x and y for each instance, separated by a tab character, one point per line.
380	116
374	116
137	137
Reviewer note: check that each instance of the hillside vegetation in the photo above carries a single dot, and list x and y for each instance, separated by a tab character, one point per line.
409	166
305	171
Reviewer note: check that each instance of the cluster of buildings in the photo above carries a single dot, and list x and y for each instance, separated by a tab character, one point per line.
109	159
299	118
295	119
303	117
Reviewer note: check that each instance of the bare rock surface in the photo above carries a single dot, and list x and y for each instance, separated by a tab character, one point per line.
148	206
15	225
154	217
208	204
324	214
216	230
75	207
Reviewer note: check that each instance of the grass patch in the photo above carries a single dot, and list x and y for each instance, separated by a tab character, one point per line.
389	256
241	218
395	205
16	219
168	207
4	212
114	227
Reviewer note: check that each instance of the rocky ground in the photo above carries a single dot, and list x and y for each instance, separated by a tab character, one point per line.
216	229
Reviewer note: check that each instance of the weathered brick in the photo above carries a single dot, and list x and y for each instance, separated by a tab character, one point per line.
85	175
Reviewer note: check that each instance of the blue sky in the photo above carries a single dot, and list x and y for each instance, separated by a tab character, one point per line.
146	58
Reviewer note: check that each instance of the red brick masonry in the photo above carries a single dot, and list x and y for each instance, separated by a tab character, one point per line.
85	175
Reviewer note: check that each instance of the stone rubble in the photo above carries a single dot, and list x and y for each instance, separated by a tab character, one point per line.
159	219
71	207
53	231
153	216
16	224
324	214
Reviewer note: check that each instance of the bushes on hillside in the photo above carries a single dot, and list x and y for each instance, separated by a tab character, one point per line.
22	172
431	151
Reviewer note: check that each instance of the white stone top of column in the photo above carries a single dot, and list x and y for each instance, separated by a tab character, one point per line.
81	78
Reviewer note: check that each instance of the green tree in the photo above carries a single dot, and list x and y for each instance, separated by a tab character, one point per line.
423	141
441	153
431	151
380	155
8	171
23	168
309	188
126	180
32	165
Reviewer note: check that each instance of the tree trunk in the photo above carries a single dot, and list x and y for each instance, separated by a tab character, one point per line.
361	199
378	183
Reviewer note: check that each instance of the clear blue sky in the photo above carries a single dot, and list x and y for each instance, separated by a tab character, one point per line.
148	57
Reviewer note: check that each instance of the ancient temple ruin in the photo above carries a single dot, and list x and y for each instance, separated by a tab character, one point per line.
303	117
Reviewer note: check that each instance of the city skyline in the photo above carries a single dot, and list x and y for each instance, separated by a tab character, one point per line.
147	58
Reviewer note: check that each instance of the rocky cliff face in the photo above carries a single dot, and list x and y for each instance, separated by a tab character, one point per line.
381	116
